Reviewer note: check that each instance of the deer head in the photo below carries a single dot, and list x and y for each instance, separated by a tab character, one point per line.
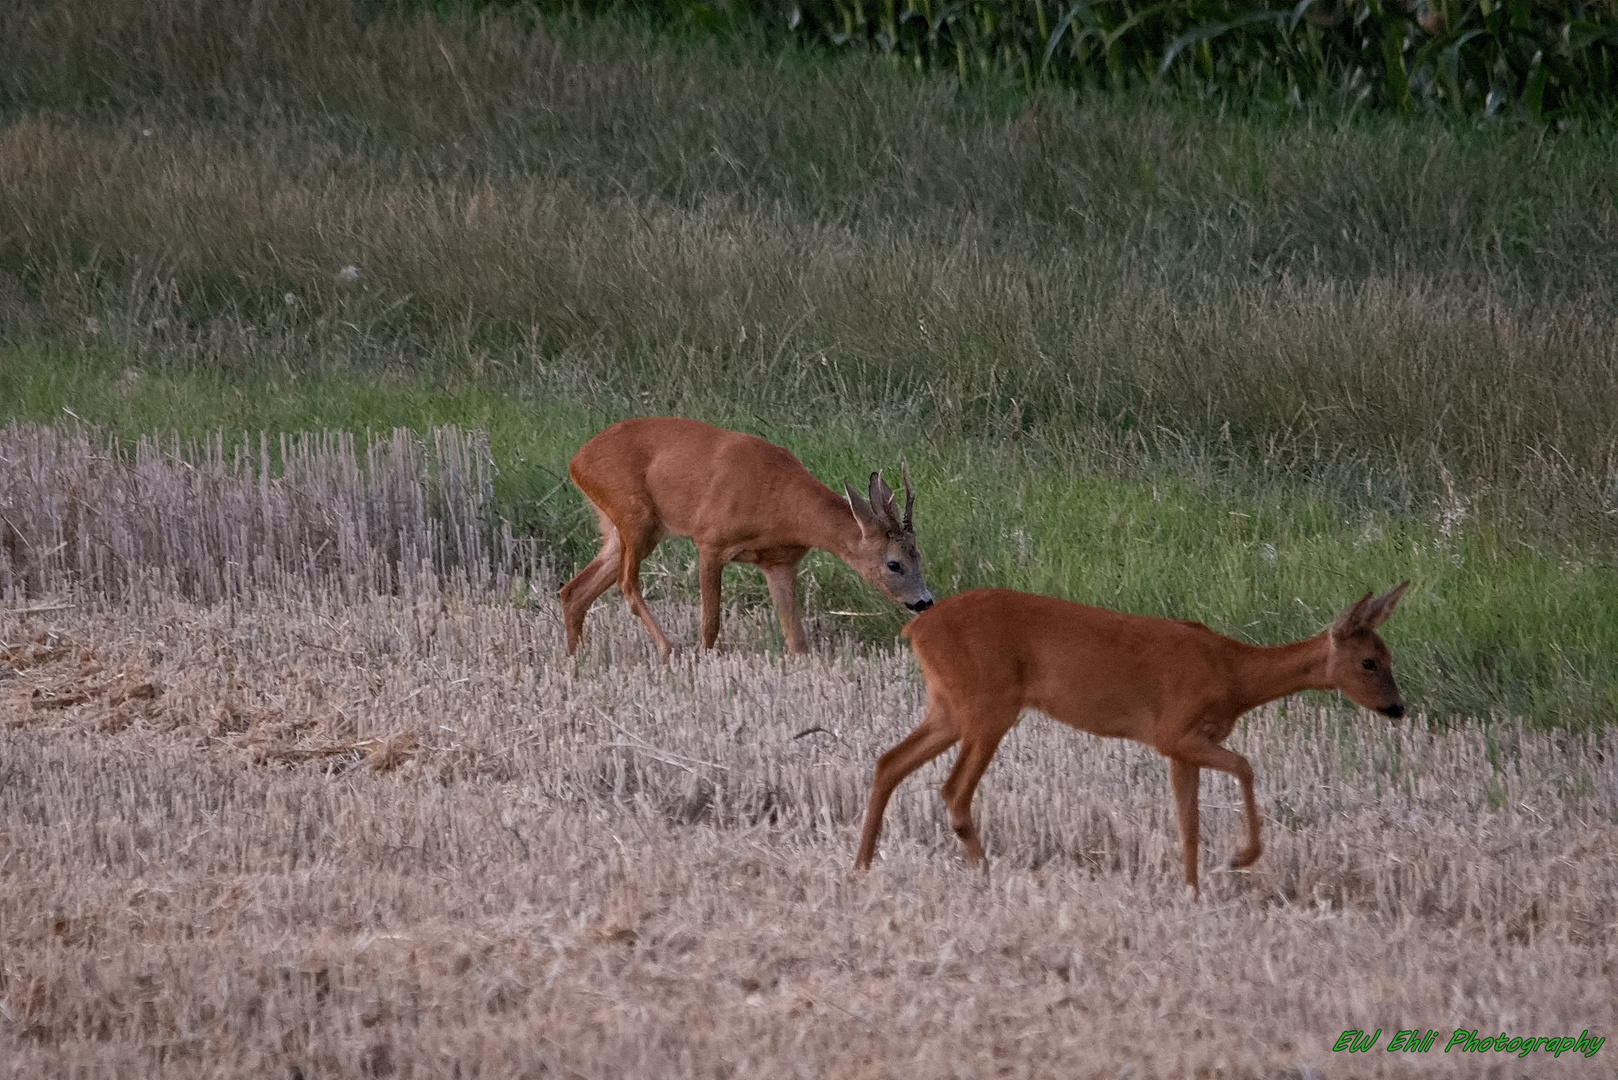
887	555
1359	662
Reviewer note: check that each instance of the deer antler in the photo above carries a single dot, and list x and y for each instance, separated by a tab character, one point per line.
882	501
910	497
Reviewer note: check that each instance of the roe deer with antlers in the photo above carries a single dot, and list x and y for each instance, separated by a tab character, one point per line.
1176	686
741	499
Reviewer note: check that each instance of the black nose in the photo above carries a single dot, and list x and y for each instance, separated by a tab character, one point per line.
920	605
1394	711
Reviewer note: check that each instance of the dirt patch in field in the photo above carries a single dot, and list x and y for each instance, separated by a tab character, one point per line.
58	679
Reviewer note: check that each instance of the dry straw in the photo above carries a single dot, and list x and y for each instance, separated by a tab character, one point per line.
362	831
219	519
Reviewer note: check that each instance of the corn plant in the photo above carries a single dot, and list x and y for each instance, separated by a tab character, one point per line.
1541	61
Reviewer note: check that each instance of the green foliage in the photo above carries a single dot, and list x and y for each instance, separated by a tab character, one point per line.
1544	61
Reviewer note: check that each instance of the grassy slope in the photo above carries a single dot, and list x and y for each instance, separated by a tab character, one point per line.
1319	334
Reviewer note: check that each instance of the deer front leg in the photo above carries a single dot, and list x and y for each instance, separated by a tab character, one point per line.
710	576
959	788
1184	776
783	582
1210	755
1239	767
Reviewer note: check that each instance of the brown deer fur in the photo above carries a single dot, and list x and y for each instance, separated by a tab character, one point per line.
741	499
1176	686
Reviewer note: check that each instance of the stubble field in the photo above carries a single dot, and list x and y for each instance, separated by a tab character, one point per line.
413	839
294	835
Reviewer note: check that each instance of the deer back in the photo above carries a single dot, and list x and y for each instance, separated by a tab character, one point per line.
1101	671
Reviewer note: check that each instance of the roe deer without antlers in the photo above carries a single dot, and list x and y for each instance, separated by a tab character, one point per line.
741	499
1176	686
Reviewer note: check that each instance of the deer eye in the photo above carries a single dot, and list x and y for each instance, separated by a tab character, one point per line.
1368	664
896	567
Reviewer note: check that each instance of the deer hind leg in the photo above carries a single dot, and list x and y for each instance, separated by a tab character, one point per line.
935	734
588	584
1184	777
1210	755
981	733
638	542
783	581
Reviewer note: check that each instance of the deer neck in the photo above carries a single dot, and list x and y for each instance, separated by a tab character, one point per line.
1266	673
828	524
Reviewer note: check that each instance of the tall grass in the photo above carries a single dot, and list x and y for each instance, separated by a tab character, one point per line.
775	240
631	303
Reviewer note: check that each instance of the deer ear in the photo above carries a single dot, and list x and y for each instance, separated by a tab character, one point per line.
1352	620
1379	609
861	509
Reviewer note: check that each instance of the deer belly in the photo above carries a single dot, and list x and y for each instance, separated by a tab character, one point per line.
772	556
1111	719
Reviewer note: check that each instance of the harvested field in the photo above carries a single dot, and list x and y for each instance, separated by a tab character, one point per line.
390	837
359	815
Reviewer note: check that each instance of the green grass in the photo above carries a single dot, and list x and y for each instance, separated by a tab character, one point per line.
1489	627
1347	328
